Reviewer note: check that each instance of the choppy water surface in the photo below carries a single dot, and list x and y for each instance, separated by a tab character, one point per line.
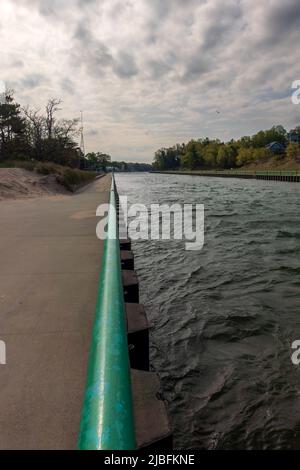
224	318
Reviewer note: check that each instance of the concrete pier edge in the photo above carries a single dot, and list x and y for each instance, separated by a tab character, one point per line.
152	421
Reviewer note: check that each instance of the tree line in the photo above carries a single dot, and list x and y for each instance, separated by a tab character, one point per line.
131	167
30	134
97	161
214	154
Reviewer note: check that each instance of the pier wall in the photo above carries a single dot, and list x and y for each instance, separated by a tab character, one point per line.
285	176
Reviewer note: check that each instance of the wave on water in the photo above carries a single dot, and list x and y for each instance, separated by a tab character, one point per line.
224	318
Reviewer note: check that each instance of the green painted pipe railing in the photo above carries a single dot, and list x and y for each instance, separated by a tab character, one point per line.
238	172
278	173
107	421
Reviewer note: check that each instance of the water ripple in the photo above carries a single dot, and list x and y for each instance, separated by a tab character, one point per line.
224	318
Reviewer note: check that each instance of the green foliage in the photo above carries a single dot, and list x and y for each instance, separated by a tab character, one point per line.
226	157
192	158
209	154
27	134
72	178
47	168
293	151
30	135
245	156
261	154
28	165
245	142
123	166
12	129
97	161
263	138
168	158
251	155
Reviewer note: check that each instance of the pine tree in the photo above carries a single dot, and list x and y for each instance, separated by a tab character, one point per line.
12	128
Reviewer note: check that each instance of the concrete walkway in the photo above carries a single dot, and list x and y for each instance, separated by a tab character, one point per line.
49	266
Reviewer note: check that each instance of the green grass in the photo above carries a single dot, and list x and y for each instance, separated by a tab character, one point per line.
71	178
47	168
25	165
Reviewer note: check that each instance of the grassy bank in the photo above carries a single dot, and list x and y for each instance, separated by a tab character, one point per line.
70	178
274	164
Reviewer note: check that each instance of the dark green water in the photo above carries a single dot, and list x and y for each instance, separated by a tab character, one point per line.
224	318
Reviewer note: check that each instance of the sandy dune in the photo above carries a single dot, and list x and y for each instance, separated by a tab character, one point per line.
17	183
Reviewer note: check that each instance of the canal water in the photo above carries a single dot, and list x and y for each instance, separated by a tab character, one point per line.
224	318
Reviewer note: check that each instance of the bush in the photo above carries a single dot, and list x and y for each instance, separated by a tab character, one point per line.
70	178
28	165
47	168
293	151
261	154
245	156
7	164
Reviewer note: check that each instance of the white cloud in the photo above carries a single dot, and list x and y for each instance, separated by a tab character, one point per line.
153	72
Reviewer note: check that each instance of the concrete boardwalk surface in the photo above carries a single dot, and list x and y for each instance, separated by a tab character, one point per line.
49	267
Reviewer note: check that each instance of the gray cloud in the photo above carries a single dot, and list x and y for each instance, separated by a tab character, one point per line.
158	68
153	72
68	86
196	67
33	80
97	56
284	18
125	65
221	25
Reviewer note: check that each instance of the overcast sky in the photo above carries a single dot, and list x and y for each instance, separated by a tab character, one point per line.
150	73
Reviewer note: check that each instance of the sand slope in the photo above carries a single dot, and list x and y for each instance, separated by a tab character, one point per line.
17	183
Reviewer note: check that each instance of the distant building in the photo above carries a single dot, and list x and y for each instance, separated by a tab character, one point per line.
294	137
276	147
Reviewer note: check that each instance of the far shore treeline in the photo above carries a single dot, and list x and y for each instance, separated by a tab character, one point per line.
272	144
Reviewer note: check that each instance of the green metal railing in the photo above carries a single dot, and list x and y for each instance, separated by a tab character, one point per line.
239	172
252	172
278	173
107	421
